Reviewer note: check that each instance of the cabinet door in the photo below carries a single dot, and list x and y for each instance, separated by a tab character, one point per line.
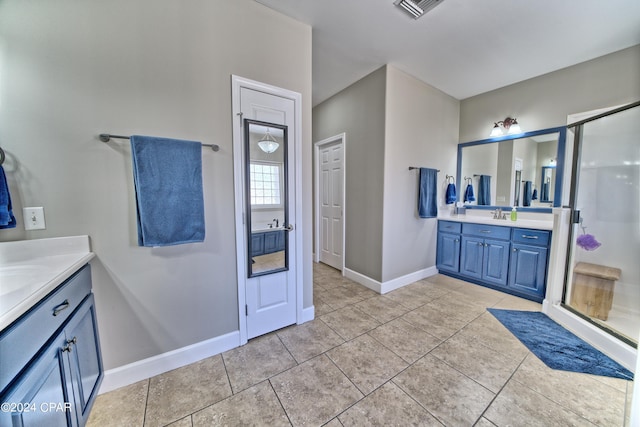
471	257
257	244
528	269
84	358
42	394
281	241
448	252
271	242
495	267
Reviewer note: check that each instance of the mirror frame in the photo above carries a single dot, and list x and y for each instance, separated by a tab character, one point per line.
247	193
562	137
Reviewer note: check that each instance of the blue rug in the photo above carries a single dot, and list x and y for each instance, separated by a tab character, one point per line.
557	347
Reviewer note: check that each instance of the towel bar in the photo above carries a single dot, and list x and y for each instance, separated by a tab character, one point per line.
105	137
417	167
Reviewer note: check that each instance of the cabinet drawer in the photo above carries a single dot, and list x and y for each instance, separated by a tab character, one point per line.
22	340
449	226
487	231
531	237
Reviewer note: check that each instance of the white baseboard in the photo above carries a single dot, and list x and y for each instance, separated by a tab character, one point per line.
152	366
390	285
612	347
308	314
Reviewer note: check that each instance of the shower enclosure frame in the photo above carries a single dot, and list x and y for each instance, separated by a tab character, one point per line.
575	219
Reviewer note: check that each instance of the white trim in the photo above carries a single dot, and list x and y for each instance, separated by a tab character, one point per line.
342	138
608	344
165	362
390	285
308	314
237	83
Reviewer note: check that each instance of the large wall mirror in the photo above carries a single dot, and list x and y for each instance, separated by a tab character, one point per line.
523	170
266	197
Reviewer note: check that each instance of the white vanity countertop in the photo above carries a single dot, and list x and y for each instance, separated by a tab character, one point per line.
545	222
30	269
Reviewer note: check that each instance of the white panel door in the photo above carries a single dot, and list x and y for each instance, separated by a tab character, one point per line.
271	298
331	200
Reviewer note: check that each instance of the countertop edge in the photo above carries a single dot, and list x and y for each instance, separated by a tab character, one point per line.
521	223
24	306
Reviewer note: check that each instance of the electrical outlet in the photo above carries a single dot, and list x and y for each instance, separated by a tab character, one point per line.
33	218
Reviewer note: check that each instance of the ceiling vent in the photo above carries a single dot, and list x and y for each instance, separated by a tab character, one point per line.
417	8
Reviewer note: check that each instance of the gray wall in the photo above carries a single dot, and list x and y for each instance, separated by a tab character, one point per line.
392	121
545	101
359	111
70	70
421	130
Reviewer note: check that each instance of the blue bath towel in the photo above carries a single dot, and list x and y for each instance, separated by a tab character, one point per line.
534	195
167	175
544	193
427	196
7	220
484	190
526	197
468	194
451	195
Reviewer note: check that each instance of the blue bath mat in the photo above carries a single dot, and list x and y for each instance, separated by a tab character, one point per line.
557	347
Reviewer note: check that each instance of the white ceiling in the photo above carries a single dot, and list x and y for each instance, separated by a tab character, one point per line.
462	47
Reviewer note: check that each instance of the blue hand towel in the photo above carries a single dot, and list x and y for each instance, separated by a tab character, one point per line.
484	190
7	220
468	194
427	203
167	175
451	194
526	197
534	195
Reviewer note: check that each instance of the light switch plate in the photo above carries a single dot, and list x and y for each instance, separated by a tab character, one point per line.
33	218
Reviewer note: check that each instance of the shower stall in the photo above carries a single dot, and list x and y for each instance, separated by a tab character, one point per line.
602	279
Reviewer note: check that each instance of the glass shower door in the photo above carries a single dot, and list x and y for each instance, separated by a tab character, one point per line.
603	271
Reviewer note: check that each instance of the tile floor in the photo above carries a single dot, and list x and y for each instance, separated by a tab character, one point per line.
426	354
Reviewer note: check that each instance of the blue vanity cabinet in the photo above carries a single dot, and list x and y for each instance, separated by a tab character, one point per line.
448	249
483	258
257	244
266	242
46	382
59	381
528	264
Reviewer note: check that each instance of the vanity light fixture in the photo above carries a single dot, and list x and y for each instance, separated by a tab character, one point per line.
509	125
268	143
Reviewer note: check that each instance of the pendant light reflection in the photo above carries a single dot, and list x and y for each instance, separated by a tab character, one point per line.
268	143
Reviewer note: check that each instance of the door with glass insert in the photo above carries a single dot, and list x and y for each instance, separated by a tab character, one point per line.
603	271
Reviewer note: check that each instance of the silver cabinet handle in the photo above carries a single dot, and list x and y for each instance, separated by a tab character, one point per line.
515	250
57	309
485	231
68	348
529	237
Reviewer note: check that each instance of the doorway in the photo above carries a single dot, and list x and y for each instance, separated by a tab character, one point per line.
269	293
329	157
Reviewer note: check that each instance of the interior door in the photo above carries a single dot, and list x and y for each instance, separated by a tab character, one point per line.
331	200
271	295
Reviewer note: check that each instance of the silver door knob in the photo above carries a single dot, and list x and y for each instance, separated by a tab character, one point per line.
289	227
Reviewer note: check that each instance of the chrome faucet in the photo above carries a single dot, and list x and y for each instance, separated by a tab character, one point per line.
277	222
498	214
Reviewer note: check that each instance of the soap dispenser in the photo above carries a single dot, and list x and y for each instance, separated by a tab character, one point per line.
514	214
